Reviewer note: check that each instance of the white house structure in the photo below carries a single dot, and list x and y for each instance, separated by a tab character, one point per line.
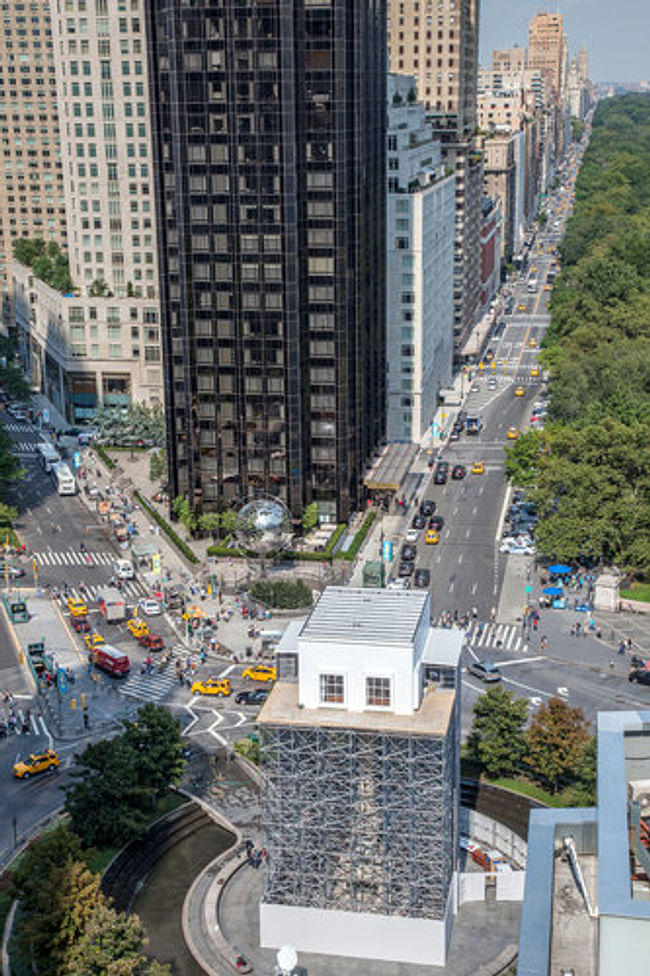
360	750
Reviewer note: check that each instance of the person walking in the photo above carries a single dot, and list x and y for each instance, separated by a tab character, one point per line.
543	644
621	648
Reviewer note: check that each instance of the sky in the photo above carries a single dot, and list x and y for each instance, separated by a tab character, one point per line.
616	32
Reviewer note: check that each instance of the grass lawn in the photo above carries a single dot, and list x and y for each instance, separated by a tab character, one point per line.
530	789
101	857
639	591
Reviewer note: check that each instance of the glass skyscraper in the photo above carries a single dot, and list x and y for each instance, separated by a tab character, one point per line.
269	138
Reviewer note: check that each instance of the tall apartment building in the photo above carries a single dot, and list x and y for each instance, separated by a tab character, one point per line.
31	189
438	43
100	344
420	265
546	48
360	748
270	148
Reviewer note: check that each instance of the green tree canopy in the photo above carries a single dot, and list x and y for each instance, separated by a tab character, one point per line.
111	945
555	742
497	739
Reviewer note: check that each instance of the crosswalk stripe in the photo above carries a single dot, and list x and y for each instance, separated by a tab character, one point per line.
149	687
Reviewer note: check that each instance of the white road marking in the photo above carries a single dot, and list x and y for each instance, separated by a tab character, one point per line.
474	588
563	692
468	533
521	660
475	510
537	691
227	670
460	557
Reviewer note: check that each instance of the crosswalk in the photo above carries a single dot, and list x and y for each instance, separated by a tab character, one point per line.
25	447
73	557
149	687
92	591
494	637
17	428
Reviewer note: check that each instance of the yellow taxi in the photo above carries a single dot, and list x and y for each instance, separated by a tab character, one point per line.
37	763
534	371
137	627
260	672
532	342
478	467
93	640
431	537
533	269
519	391
77	608
548	287
512	433
212	686
522	307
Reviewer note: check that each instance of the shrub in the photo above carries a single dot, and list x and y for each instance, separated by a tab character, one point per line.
360	537
108	461
282	595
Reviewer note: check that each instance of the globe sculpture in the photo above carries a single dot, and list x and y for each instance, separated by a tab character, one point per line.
263	526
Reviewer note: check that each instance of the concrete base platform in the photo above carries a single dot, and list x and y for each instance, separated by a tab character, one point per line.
484	937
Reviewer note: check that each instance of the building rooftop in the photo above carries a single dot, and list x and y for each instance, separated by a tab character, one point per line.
365	616
431	718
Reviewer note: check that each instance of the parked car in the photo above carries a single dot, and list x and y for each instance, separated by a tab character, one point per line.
408	553
436	522
412	535
398	584
458	472
418	522
427	507
441	474
485	670
405	569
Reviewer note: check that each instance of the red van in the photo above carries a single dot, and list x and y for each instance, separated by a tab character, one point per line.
112	661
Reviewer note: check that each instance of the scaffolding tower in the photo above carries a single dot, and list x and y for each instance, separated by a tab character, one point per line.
362	821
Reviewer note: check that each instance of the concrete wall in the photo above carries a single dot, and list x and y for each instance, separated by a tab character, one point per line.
471	887
361	936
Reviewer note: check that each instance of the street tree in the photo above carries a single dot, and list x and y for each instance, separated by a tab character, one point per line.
157	745
111	945
497	739
555	741
108	799
58	895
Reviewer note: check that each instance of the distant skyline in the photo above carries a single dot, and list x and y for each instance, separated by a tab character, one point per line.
615	34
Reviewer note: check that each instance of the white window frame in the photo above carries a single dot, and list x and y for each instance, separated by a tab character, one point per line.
367	678
322	700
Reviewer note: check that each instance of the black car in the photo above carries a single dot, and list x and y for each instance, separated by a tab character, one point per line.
436	522
256	697
458	472
418	522
422	578
427	507
440	475
405	569
408	553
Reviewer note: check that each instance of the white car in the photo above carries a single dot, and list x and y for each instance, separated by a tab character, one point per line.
123	570
514	550
149	607
398	584
412	535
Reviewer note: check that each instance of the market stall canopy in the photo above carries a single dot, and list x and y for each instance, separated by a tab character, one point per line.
559	569
552	590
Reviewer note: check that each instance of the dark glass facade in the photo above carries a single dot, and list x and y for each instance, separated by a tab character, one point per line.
269	129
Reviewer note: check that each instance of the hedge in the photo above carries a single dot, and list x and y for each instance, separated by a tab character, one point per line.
359	538
167	529
219	549
108	461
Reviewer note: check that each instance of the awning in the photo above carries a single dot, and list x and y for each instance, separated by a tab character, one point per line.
388	471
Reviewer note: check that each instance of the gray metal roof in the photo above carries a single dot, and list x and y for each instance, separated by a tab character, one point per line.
365	615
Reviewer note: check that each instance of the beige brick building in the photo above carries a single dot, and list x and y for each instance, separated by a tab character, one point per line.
31	191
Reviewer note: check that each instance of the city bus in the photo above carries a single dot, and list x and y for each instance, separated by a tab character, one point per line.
64	479
48	456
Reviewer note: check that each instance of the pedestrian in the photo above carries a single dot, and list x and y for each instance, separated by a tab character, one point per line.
86	718
599	633
621	648
493	614
543	644
474	613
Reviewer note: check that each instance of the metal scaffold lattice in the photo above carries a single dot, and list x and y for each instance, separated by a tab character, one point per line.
360	821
